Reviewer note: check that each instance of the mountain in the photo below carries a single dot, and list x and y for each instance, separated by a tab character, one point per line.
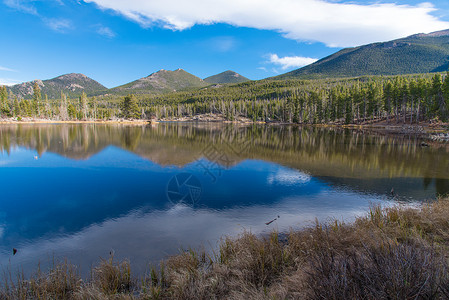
162	81
226	77
72	84
419	53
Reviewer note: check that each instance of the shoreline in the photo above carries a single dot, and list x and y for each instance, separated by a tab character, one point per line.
2	122
332	260
423	129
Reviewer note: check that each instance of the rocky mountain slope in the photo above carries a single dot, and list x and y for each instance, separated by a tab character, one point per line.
226	77
72	84
162	81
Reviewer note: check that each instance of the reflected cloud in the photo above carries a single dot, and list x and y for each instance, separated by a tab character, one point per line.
148	237
288	177
100	187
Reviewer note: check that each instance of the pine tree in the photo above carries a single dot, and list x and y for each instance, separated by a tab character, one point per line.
37	96
129	107
84	107
16	107
444	105
63	115
4	107
94	101
47	108
71	111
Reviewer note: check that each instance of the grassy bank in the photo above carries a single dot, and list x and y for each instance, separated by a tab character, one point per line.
392	253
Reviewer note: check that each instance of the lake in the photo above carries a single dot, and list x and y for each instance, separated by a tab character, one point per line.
146	192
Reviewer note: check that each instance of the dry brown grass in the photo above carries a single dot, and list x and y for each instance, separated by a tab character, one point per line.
59	282
392	253
113	278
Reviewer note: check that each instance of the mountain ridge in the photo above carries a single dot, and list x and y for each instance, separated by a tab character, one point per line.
161	81
73	84
226	77
418	53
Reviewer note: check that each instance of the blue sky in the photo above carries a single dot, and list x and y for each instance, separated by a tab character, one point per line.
116	41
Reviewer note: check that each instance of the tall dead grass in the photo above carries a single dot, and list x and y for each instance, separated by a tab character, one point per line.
392	253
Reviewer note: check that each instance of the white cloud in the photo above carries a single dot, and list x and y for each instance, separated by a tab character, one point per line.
335	24
287	62
8	81
25	6
59	25
21	5
6	69
105	31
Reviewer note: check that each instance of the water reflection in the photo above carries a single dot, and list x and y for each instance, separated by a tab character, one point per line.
330	153
81	190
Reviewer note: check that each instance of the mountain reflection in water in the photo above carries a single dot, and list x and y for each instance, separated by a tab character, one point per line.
78	191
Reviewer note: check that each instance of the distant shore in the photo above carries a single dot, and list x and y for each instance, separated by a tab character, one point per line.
49	121
392	127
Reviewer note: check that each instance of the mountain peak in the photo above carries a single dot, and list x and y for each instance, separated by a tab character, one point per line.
163	71
72	76
226	77
73	84
162	81
432	34
419	53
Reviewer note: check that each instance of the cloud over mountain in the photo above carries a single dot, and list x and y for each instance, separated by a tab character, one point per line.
291	61
336	24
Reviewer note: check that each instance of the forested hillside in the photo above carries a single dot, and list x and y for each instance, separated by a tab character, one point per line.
398	99
226	77
159	82
420	53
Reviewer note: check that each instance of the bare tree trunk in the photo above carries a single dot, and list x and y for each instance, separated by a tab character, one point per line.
417	111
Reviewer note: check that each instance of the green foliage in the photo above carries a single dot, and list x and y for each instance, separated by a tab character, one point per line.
37	97
129	108
71	110
353	100
83	106
17	110
411	99
3	94
4	106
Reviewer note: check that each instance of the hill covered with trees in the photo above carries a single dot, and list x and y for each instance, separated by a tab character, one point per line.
419	53
226	77
159	82
405	99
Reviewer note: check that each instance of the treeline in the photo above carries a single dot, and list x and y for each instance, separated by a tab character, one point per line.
400	99
64	108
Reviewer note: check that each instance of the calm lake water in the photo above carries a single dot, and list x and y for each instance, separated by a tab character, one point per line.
145	192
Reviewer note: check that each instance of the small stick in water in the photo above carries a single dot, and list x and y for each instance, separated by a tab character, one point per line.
268	223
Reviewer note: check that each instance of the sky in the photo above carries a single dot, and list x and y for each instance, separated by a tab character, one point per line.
116	41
